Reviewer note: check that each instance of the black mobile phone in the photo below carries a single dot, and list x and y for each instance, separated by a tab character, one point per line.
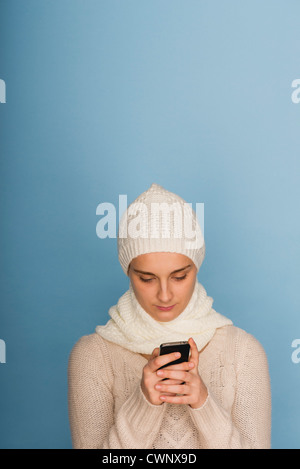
169	347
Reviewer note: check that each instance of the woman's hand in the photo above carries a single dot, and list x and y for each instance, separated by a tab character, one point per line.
150	377
176	384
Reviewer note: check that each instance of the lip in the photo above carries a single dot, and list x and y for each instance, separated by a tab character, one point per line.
163	308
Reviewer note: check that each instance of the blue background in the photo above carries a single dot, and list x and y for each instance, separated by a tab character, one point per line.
103	98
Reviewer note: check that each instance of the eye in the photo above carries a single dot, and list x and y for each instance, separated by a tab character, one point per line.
180	278
146	279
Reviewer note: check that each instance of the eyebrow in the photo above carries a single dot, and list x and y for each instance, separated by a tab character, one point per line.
150	273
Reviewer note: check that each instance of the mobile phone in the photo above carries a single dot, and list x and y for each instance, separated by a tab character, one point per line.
169	347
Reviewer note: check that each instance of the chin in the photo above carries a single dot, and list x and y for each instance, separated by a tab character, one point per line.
165	317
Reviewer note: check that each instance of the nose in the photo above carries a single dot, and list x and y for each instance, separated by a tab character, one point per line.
164	293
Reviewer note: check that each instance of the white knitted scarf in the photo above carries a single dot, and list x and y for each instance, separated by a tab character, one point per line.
134	329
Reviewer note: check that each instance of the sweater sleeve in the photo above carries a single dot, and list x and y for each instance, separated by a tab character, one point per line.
248	424
91	404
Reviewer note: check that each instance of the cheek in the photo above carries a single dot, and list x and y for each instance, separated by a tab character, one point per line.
186	289
142	292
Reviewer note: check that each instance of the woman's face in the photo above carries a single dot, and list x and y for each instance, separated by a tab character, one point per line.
163	283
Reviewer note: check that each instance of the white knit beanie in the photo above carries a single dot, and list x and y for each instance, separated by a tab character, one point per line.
159	221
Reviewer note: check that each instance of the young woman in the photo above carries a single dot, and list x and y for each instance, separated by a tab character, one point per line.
119	397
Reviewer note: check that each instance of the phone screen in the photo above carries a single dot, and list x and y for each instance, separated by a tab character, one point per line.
169	347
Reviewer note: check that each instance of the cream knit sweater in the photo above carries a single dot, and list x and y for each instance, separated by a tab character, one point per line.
108	410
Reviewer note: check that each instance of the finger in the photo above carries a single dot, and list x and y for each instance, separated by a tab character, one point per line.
184	366
172	381
162	360
175	375
194	357
172	388
155	353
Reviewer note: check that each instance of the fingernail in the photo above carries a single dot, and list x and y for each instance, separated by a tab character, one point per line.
160	373
178	354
